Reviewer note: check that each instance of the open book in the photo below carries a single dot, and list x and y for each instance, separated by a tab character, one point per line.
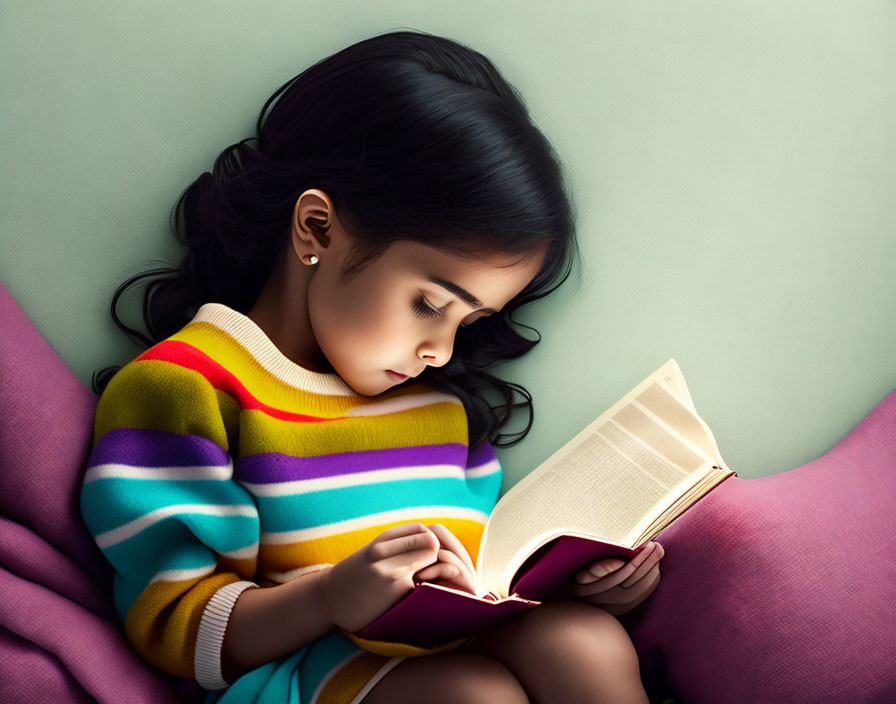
615	486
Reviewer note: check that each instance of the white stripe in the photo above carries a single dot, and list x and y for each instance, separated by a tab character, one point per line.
130	529
126	471
364	477
409	515
250	550
485	469
403	403
183	574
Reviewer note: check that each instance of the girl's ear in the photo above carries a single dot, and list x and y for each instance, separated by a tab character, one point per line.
312	216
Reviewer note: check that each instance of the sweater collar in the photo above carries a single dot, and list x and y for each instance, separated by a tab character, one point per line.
245	331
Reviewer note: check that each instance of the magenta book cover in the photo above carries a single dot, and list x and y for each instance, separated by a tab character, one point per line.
432	615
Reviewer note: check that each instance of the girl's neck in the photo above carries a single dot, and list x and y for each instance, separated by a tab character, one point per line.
281	311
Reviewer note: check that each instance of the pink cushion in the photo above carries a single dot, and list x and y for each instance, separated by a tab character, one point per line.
783	588
45	434
60	639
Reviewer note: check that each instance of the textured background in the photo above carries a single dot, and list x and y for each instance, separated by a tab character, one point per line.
733	167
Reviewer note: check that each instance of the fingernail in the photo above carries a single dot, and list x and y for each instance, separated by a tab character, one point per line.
600	571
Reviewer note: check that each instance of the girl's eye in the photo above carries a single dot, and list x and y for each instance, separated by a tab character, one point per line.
423	309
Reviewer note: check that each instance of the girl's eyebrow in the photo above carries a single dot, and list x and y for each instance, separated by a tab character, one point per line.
460	293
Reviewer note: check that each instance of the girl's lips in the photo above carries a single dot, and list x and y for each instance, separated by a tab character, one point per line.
397	375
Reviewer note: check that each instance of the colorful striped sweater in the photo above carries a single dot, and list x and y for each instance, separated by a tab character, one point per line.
218	464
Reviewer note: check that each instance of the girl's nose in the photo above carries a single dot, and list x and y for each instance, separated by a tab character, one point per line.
436	354
433	360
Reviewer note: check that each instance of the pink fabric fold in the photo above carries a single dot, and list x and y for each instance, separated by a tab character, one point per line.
783	588
60	639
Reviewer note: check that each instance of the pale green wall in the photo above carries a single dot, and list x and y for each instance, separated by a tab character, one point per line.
734	166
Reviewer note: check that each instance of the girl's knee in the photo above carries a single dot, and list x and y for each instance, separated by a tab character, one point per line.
578	629
448	678
482	679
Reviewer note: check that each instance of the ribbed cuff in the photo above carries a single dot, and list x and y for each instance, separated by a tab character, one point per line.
207	657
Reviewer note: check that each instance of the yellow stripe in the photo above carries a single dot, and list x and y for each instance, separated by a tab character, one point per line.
383	647
332	549
230	409
429	425
171	398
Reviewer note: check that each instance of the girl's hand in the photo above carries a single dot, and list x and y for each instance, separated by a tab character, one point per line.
364	585
451	554
617	586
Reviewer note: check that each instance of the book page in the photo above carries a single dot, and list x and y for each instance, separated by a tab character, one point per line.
614	477
679	413
672	377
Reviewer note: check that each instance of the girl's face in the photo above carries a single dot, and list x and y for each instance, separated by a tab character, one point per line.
396	314
399	314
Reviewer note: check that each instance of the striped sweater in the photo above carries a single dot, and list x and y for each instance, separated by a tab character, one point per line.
218	464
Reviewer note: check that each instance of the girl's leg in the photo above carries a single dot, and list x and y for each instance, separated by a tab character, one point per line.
567	651
452	677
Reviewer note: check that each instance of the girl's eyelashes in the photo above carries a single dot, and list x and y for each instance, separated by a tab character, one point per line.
422	309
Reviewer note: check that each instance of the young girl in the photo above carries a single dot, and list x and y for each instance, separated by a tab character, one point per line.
308	434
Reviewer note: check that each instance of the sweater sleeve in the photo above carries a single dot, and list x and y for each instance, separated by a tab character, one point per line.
160	501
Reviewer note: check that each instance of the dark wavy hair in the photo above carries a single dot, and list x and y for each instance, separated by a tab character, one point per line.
414	137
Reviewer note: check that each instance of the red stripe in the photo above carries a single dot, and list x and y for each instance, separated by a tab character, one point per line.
189	357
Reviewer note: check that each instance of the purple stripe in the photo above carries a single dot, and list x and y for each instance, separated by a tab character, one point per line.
483	454
156	448
271	468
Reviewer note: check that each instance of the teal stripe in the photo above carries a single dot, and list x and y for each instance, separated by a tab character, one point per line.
180	542
290	679
271	683
110	503
486	487
283	513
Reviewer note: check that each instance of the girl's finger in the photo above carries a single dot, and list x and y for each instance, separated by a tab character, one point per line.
617	594
452	543
407	563
451	571
401	530
601	570
464	579
407	541
619	600
644	567
615	578
405	555
433	572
